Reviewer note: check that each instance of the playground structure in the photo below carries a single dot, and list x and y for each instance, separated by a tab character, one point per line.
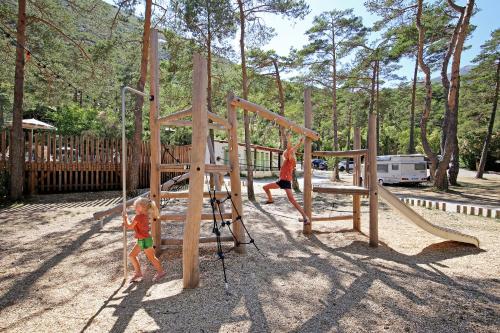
198	167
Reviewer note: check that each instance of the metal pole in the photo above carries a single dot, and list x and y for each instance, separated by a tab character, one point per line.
123	160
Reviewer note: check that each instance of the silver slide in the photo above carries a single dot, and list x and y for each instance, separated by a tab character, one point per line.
412	216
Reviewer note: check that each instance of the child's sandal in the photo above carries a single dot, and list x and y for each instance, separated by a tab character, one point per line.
136	278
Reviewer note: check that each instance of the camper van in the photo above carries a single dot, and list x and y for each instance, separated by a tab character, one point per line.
393	169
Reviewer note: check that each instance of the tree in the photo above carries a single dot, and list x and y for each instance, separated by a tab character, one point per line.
490	53
16	133
439	166
248	13
331	38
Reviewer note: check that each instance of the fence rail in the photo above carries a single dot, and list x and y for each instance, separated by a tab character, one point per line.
57	163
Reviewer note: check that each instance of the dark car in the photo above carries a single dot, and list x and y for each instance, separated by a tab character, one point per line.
319	164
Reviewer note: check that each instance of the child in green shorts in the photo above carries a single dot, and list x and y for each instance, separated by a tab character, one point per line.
140	224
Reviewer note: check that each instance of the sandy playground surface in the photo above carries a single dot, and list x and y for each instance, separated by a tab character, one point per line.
59	272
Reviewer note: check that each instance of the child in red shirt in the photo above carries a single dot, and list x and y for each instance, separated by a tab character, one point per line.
140	224
285	180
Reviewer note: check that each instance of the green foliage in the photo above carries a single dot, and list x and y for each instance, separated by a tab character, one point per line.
75	120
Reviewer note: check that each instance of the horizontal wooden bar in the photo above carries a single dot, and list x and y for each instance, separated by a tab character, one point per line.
188	123
185	195
218	119
174	116
269	115
341	189
119	207
204	217
346	153
329	218
209	168
179	241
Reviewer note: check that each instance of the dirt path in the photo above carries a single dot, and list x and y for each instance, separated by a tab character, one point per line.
59	272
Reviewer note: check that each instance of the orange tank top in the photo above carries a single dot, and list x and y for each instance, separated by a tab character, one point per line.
142	226
287	169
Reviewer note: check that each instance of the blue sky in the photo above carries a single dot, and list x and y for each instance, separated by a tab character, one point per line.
291	33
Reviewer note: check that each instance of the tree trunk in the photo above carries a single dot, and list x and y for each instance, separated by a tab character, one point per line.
133	174
16	133
377	106
411	144
487	139
281	99
250	190
335	176
451	143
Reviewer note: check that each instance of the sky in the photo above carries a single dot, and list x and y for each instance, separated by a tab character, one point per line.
290	33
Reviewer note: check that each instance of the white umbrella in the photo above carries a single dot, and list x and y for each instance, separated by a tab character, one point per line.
33	124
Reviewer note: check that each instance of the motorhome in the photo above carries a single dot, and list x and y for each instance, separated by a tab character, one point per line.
393	169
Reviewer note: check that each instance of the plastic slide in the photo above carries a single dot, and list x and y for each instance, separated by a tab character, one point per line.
412	216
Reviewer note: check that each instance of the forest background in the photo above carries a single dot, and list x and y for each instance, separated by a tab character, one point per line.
82	52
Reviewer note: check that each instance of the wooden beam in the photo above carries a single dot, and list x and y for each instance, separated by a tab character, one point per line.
341	189
187	123
269	115
330	218
175	116
185	195
373	186
190	246
179	241
307	228
154	181
346	153
218	119
203	217
118	208
237	206
209	168
356	200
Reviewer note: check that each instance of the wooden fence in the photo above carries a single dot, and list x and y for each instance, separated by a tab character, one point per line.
57	163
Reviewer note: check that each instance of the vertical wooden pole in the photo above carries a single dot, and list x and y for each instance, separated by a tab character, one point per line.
373	190
31	165
190	246
307	162
154	183
234	162
356	200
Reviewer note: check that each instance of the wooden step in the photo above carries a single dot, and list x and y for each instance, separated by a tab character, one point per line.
209	168
329	218
341	189
185	195
187	123
204	217
179	241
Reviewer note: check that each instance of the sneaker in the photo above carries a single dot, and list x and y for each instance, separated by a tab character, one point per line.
159	276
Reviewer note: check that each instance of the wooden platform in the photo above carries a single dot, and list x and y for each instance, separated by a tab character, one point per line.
183	167
179	241
204	217
341	189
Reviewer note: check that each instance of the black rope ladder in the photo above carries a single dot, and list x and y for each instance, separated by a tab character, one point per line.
217	228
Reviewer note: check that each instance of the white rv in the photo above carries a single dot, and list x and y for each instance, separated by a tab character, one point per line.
393	169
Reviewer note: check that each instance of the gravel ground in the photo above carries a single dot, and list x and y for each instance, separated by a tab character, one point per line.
59	272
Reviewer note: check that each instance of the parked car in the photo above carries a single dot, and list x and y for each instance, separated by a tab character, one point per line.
319	164
343	165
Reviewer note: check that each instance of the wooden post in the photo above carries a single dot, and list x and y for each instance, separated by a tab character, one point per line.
480	211
356	200
190	246
372	160
234	162
443	206
154	181
307	162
